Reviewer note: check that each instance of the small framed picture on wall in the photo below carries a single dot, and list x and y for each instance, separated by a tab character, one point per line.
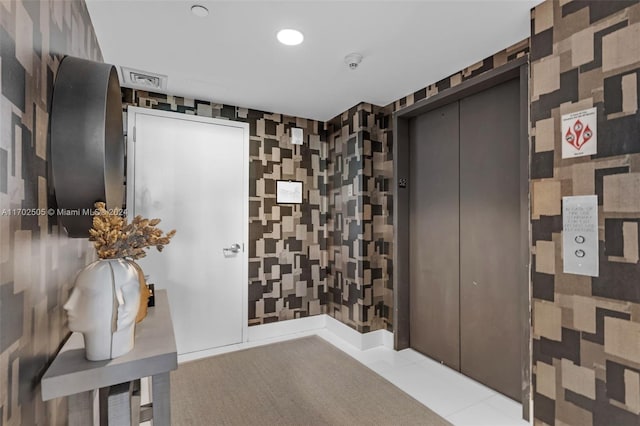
289	192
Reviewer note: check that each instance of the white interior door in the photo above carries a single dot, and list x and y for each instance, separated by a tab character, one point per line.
192	173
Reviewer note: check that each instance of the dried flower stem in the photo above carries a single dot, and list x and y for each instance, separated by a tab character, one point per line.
114	238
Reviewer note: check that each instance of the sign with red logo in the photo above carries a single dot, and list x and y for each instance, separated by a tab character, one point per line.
579	131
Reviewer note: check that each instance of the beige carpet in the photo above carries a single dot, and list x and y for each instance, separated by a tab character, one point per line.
305	381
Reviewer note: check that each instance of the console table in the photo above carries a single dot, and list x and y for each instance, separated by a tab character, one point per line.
154	355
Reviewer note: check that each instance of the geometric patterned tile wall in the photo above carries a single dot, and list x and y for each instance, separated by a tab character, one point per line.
290	246
378	143
361	219
586	331
37	261
287	243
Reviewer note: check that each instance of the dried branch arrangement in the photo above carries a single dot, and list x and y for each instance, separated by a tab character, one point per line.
114	238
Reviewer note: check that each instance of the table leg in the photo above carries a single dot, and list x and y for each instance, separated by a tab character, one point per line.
80	408
161	399
119	404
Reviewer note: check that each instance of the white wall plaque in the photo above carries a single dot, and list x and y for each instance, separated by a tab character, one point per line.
579	133
580	235
297	136
288	192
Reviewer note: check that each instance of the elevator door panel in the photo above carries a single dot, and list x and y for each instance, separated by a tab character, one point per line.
490	237
434	244
464	208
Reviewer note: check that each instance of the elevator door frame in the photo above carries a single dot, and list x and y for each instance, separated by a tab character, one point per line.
511	70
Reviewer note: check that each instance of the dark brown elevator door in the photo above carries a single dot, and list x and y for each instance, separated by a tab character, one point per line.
490	237
465	235
434	244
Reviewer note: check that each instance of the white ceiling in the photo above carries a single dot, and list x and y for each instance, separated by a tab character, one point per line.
232	56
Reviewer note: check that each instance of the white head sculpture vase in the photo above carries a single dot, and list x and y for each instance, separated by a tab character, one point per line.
103	307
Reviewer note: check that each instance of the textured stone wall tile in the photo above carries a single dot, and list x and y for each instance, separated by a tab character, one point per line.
455	80
42	124
22	260
622	338
583	178
4	378
43	219
621	48
569	107
570	414
573	21
17	165
584	313
578	379
547	320
590	86
467	72
546	198
622	193
5	223
546	76
582	51
24	38
630	238
546	257
545	132
546	379
629	88
13	403
543	17
632	390
592	356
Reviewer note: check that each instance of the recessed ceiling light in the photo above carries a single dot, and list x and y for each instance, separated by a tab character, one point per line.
199	10
290	37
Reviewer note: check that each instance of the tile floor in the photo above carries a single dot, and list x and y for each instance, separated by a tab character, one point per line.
453	396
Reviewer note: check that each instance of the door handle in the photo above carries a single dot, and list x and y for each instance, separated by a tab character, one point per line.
235	248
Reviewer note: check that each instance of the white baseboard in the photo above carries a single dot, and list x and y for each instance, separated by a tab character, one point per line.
387	339
285	328
362	341
192	356
264	334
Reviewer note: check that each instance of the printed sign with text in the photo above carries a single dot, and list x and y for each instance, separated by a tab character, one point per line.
580	235
579	133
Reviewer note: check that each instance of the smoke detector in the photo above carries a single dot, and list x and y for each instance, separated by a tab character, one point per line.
353	60
199	11
143	79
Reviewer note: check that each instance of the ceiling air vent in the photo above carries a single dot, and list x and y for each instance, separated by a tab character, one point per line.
143	79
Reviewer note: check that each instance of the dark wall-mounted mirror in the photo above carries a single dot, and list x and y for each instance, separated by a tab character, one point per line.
87	143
